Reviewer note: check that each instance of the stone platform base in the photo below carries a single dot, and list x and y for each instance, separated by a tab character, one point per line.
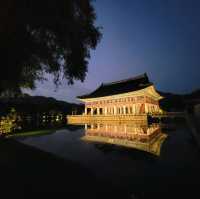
87	119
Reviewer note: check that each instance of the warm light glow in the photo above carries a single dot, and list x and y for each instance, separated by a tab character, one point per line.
141	137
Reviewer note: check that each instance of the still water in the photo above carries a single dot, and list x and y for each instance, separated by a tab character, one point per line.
144	159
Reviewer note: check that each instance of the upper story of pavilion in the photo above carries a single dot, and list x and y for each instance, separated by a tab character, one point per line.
135	95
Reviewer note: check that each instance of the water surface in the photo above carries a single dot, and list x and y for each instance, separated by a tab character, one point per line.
142	173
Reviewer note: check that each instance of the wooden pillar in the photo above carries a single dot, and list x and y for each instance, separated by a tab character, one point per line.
146	108
97	110
137	108
105	110
150	107
115	110
133	109
124	110
121	110
158	108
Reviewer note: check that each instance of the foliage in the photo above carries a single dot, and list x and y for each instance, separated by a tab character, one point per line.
35	112
45	36
10	123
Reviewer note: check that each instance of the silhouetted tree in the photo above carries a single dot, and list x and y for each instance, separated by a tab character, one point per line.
37	36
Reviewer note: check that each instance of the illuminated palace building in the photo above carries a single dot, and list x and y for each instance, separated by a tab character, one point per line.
129	99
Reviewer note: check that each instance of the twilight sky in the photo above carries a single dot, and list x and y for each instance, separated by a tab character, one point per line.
160	37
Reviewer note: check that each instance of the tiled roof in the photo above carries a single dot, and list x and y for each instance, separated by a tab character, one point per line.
119	87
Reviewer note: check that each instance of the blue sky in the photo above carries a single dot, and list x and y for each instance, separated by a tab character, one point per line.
160	37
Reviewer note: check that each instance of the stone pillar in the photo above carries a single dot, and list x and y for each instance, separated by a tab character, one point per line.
85	110
125	129
85	126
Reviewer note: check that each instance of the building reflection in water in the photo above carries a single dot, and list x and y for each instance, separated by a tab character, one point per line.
141	137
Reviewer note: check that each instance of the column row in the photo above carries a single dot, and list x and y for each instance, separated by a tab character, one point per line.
115	110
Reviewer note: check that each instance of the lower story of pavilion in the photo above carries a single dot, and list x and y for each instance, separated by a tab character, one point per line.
134	109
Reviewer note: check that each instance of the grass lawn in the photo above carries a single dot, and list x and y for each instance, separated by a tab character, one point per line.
32	133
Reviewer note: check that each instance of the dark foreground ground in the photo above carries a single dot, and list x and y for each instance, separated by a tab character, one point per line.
27	172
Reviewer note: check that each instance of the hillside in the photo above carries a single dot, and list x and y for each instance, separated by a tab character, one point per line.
178	102
39	104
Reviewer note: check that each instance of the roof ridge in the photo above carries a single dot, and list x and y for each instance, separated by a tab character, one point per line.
125	80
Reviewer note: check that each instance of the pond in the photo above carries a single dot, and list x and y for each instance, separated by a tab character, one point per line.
172	168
